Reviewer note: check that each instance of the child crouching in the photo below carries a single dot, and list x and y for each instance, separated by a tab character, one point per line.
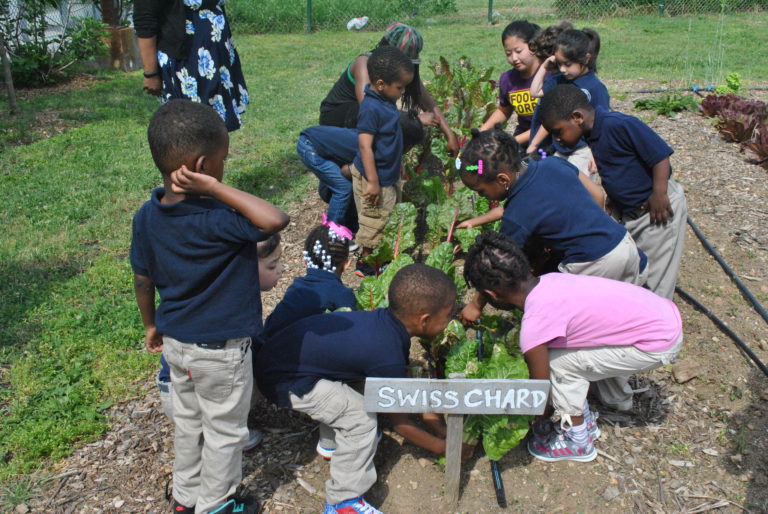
575	330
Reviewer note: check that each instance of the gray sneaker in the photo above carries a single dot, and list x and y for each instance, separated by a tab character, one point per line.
561	447
255	437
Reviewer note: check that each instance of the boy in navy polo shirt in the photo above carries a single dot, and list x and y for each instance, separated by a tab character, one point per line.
376	168
195	243
308	365
633	163
327	151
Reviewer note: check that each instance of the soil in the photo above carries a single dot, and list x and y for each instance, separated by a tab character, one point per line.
695	441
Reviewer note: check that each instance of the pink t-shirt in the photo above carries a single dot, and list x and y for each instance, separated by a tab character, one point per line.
579	311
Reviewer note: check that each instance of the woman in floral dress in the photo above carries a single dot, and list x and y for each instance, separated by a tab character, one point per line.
187	50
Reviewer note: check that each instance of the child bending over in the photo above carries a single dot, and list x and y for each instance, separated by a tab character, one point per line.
194	242
575	330
308	366
376	168
633	162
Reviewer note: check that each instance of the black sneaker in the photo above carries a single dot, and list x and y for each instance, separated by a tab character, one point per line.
178	508
363	269
239	505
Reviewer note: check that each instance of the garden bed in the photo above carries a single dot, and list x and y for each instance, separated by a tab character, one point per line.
688	444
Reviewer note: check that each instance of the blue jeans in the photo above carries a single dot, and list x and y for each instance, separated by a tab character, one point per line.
329	174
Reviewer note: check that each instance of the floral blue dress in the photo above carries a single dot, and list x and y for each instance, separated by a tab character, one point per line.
211	72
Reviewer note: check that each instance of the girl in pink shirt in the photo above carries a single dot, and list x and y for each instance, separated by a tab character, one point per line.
576	329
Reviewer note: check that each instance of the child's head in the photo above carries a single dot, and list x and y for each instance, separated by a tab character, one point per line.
563	111
423	299
576	52
489	163
413	130
515	39
327	248
389	71
543	45
183	132
270	267
496	266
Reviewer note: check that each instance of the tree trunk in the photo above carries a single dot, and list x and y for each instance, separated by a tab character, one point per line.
7	77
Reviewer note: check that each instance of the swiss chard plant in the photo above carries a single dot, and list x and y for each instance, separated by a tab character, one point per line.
399	235
501	360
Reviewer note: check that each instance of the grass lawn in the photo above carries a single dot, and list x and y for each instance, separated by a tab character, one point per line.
70	334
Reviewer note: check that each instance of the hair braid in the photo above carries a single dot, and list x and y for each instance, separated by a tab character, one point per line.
325	250
495	262
498	150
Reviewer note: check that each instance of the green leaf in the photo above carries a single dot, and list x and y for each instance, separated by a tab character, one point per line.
441	257
399	234
467	236
393	267
369	295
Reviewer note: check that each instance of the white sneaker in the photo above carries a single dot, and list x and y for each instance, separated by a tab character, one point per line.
255	437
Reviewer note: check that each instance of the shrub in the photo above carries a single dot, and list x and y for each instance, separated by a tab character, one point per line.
39	59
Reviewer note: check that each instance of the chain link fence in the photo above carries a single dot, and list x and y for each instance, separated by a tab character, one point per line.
15	25
281	16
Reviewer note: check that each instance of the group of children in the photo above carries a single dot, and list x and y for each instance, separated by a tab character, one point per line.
598	199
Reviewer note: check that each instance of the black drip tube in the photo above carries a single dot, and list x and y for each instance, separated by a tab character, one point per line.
722	326
744	290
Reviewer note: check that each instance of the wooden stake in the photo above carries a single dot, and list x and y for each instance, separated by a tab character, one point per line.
455	424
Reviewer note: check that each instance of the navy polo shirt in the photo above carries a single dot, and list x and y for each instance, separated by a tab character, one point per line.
380	117
316	292
201	256
590	85
549	202
334	143
339	346
626	150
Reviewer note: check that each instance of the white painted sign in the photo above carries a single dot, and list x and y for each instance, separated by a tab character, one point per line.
456	396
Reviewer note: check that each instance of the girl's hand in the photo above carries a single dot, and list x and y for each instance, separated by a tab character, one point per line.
470	314
428	119
371	194
453	145
153	85
551	59
659	207
184	181
465	224
531	149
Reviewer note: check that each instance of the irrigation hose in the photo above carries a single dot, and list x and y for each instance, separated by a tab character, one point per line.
498	484
744	290
722	326
694	89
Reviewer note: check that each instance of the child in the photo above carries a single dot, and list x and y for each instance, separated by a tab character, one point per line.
633	162
327	152
326	254
575	330
576	57
376	168
308	365
515	84
268	252
194	242
342	103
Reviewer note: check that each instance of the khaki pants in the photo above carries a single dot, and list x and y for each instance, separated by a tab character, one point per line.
571	370
580	158
211	394
372	218
662	244
340	408
622	263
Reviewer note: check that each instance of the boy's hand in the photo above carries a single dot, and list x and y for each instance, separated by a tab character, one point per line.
371	194
189	182
152	340
452	146
660	208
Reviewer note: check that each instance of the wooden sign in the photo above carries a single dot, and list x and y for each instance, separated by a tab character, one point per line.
456	396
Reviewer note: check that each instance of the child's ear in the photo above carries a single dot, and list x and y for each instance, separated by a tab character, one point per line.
379	84
200	164
577	117
424	320
490	294
504	179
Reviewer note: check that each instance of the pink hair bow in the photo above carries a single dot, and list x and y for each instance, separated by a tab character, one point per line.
340	230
